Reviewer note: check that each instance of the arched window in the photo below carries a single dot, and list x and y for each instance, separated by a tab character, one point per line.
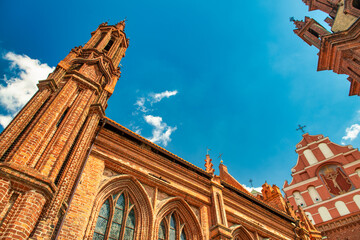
310	157
357	200
116	219
314	194
309	216
324	214
299	199
341	207
324	148
172	228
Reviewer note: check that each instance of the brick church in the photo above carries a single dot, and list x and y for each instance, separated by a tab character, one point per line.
326	185
69	172
326	179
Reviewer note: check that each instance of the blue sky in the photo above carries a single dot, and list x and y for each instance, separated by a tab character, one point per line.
231	76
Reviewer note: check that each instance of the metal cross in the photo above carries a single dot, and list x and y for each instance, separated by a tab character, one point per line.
220	156
301	128
207	150
251	181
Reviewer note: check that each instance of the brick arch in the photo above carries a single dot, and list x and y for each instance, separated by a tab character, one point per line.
183	210
143	208
240	233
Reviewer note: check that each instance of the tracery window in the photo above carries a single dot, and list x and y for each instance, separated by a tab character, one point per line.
172	228
116	220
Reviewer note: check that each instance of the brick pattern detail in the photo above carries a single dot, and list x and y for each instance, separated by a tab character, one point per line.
79	210
67	131
12	131
69	177
23	218
40	133
4	195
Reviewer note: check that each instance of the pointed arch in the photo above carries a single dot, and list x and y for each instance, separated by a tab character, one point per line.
183	210
240	233
132	187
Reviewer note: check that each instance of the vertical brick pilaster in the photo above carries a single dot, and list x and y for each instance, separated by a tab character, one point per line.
11	132
58	149
25	216
4	195
39	132
69	176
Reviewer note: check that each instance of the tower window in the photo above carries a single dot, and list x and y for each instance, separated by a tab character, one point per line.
356	4
108	46
100	39
314	33
62	117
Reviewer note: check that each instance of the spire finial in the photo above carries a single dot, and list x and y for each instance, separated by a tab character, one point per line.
208	164
207	150
122	24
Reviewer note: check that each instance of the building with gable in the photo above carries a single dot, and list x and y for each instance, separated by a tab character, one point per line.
326	185
69	172
338	49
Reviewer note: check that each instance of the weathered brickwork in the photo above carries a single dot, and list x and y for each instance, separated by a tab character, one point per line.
63	162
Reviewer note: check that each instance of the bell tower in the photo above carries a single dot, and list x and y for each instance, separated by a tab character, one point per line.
43	149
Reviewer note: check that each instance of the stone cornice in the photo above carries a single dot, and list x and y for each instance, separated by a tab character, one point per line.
28	176
48	83
85	81
258	202
161	151
150	177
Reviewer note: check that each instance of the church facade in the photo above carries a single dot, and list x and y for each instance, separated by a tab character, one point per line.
338	49
326	185
69	172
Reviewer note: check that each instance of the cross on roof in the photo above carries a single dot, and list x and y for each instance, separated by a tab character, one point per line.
301	128
220	156
207	150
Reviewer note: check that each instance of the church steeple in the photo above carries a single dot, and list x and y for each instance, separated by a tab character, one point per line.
43	148
310	31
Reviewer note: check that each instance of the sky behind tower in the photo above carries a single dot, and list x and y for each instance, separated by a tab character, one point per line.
229	76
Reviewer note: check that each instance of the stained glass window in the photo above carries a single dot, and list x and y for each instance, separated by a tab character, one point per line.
170	229
183	236
162	230
116	220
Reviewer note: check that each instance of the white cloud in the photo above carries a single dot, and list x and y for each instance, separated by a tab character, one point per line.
161	132
140	103
352	133
258	189
157	97
20	88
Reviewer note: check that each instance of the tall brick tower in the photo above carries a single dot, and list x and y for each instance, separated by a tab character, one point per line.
338	49
42	151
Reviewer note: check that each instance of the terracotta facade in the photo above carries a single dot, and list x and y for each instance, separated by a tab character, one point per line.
338	49
326	185
69	172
